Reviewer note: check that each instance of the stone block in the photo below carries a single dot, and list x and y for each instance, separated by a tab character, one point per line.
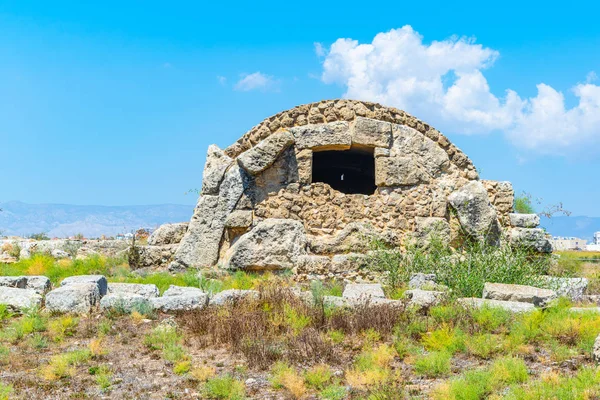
138	289
512	306
76	297
524	220
239	219
183	302
521	293
264	154
371	133
231	296
533	239
174	290
98	280
329	136
19	282
397	171
168	234
126	302
355	291
18	299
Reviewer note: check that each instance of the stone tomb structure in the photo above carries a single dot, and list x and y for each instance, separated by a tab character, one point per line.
310	187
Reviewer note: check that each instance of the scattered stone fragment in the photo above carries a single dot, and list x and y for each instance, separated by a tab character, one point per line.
168	234
144	290
356	291
424	299
76	297
533	239
521	293
421	280
98	280
18	299
512	306
231	296
58	254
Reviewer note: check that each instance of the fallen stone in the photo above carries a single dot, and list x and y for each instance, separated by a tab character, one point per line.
421	280
335	301
144	290
264	154
475	213
530	238
313	264
18	299
355	291
521	293
524	220
424	299
126	302
6	258
156	256
572	288
13	282
231	296
39	283
512	306
76	297
431	228
273	244
184	302
98	280
168	234
174	290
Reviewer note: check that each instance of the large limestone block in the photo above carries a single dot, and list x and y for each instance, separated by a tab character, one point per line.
73	298
239	219
272	244
425	299
98	280
40	284
521	293
157	256
19	282
329	136
354	237
138	289
264	154
214	169
573	288
313	264
524	220
511	306
200	245
354	291
168	234
126	302
17	299
530	238
475	213
371	133
175	290
183	302
341	263
427	154
398	171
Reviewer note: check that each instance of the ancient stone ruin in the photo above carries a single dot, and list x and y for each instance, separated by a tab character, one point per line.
308	189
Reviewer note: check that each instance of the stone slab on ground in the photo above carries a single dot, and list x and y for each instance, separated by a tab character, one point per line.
40	284
424	299
354	291
98	280
573	288
126	302
13	282
144	290
184	302
231	296
17	299
512	306
175	290
521	293
77	298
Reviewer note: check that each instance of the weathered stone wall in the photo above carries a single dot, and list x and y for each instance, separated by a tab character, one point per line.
256	190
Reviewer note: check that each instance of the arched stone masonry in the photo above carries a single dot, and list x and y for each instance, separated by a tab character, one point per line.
308	186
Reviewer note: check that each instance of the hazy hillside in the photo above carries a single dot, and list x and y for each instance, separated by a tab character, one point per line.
582	227
61	220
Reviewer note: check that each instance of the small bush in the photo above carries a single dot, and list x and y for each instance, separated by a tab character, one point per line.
225	388
333	392
318	376
103	377
63	326
203	373
182	367
63	365
433	365
5	391
484	345
445	339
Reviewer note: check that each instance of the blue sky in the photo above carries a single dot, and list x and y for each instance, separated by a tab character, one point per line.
115	103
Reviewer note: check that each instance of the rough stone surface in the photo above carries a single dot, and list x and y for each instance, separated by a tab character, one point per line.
398	171
272	244
313	264
214	169
58	254
521	293
174	290
530	238
157	256
428	155
524	220
98	280
354	291
168	234
421	281
431	228
126	302
13	282
596	350
354	237
512	306
239	219
475	213
183	302
231	296
424	299
76	297
264	154
139	289
40	284
331	136
573	288
17	299
371	133
200	245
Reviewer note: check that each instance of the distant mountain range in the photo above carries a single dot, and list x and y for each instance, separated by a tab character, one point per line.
64	220
581	227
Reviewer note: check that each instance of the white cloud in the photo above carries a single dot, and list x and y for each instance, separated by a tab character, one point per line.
319	49
444	83
256	81
222	80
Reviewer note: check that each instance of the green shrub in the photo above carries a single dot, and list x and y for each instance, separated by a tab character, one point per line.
5	391
318	376
224	387
333	392
433	365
